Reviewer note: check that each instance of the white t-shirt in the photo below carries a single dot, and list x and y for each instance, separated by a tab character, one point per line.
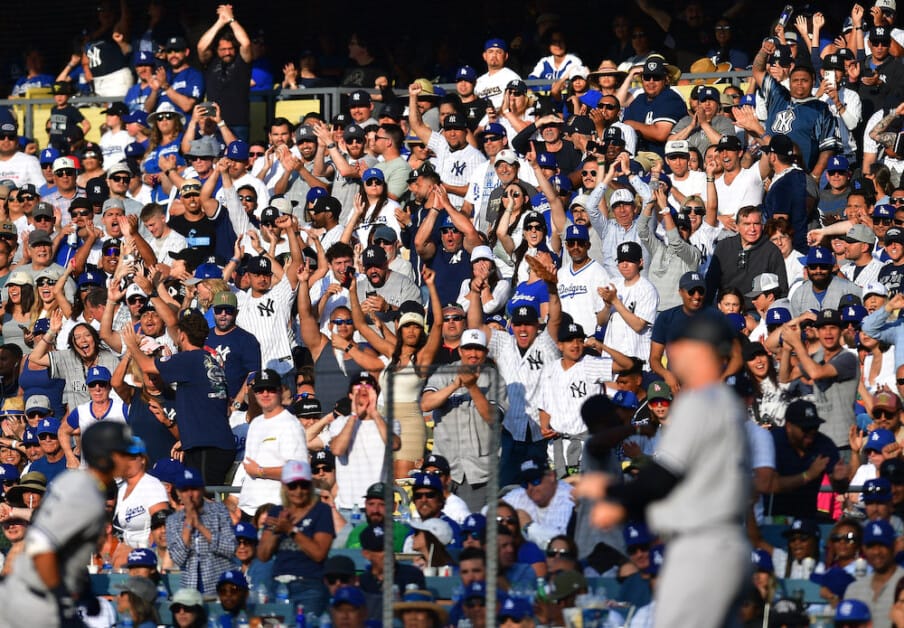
745	189
362	463
642	299
113	145
492	86
132	512
270	443
169	243
577	291
694	183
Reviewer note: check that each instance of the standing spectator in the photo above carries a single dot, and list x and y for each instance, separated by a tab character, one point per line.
228	77
298	535
274	437
199	538
200	401
738	259
238	349
466	398
491	85
787	195
862	267
178	84
654	113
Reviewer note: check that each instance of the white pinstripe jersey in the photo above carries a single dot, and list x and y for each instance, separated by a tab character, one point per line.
564	392
455	168
267	317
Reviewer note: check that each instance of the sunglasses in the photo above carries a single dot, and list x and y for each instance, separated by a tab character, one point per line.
47	437
383	242
43	219
26	197
896	200
299	484
43	281
321	469
256	154
135	300
560	552
850	537
223	309
112	251
81	214
652	77
267	389
885	222
342	321
373	182
248	198
9	136
354	140
36	415
473	534
506	520
65	172
575	243
446	230
642	547
693	209
884	414
197	158
99	385
190	194
608	106
696	292
424	495
535	228
180	608
799	538
121	178
492	138
825	267
244	542
455	318
534	482
166	116
514	194
475	602
588	173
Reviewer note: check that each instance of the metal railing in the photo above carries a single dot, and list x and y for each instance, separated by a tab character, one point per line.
330	99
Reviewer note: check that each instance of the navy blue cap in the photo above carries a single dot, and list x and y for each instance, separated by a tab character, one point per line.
637	533
778	315
838	163
819	256
577	232
547	160
475	522
141	557
762	561
495	42
244	530
802	526
466	73
835	579
852	610
884	210
48	155
626	399
876	491
879	532
233	576
425	480
189	478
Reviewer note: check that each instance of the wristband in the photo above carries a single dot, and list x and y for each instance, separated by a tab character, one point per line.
710	180
167	172
350	346
221	123
235	260
331	145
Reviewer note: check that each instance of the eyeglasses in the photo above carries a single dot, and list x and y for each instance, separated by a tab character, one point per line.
26	197
342	321
99	385
256	153
299	484
166	116
641	547
608	106
47	436
513	194
80	214
588	173
373	182
65	172
558	552
272	390
896	200
455	318
43	281
695	209
135	300
534	482
244	542
334	579
534	228
121	178
424	495
885	222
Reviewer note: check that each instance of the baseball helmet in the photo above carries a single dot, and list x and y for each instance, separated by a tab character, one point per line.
102	439
711	327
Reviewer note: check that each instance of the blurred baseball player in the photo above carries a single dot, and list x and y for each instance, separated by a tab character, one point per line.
694	493
64	532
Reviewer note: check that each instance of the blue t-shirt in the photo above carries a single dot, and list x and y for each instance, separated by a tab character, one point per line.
49	469
188	82
200	403
451	269
136	96
289	560
808	122
533	294
666	107
157	438
669	323
530	553
239	351
788	195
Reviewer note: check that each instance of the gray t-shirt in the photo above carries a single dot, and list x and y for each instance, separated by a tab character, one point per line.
66	365
698	139
708	451
834	397
395	290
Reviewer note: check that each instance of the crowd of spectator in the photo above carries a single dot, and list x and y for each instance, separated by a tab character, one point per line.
423	271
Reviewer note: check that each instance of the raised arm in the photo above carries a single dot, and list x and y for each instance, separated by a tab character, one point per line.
435	337
310	328
378	342
415	121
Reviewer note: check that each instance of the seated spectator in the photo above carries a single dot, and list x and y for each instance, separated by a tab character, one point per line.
802	555
232	589
371	580
187	607
878	589
833	584
515	572
375	514
255	571
474	531
876	496
454	506
136	601
636	587
544	504
348	607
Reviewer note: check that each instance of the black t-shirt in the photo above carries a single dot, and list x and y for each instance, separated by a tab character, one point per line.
105	57
228	85
212	236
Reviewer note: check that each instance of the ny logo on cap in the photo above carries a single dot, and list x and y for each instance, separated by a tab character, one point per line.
572	327
529	464
370	253
651	65
808	413
522	311
625	248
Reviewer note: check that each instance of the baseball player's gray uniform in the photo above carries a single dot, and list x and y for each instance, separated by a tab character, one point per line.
69	522
708	556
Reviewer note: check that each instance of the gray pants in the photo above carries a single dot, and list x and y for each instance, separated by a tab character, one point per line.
474	495
702	580
22	608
